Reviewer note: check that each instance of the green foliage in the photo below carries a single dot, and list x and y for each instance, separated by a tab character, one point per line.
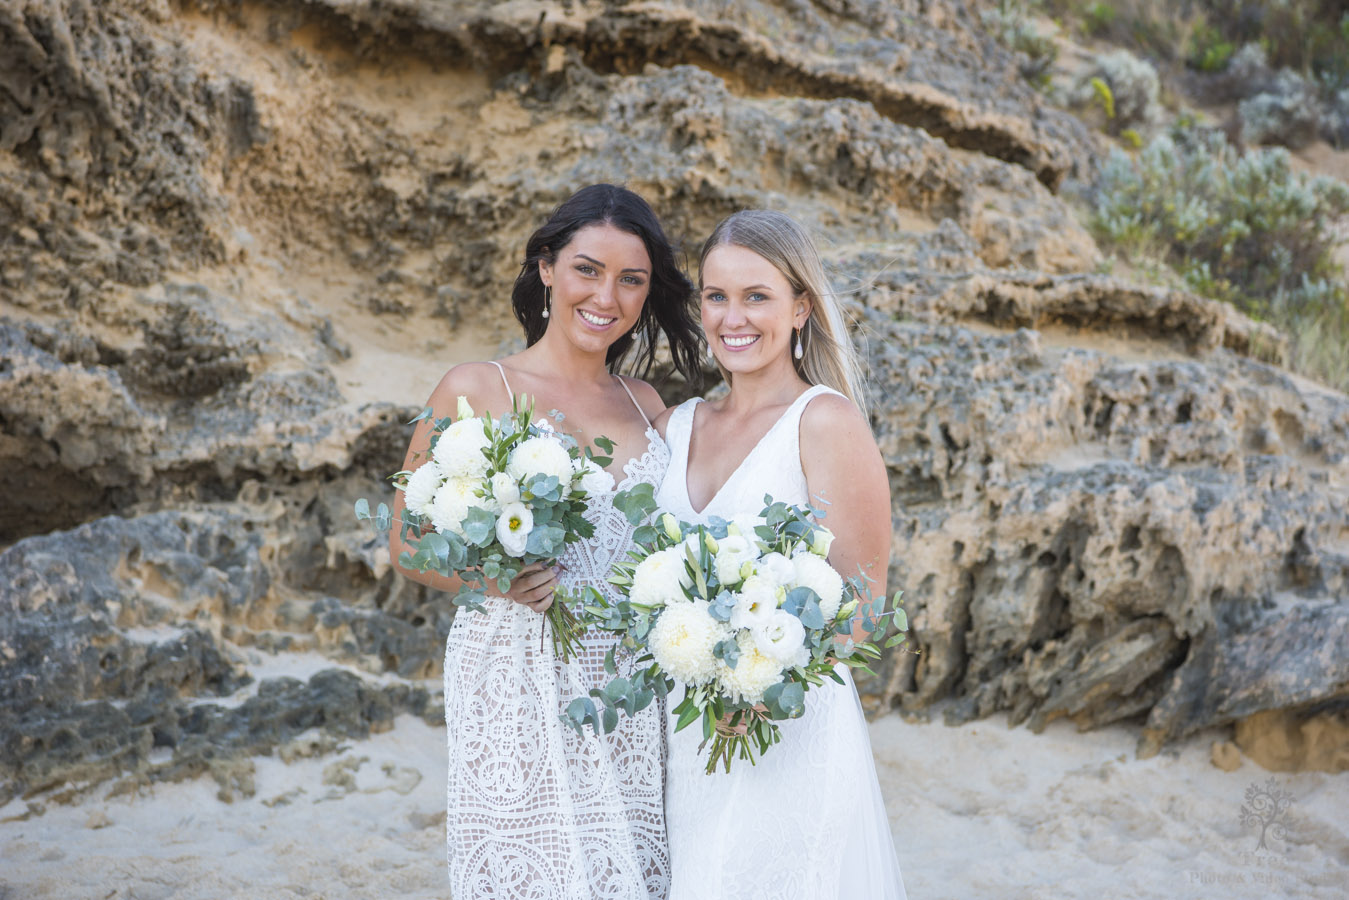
1099	18
1105	96
1209	50
1240	227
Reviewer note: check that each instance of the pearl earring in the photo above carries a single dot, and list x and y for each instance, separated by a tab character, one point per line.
800	349
711	357
547	299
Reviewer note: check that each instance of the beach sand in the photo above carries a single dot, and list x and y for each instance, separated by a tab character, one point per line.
979	810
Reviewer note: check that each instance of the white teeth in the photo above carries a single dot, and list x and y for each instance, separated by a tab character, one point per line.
594	319
739	341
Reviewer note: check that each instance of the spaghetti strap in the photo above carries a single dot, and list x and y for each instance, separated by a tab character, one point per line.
640	411
510	395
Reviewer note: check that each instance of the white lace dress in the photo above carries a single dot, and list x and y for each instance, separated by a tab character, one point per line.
534	810
807	822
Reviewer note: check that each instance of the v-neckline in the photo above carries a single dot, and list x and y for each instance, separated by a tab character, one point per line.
688	451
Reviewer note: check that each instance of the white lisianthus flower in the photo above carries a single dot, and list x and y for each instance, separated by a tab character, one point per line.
462	409
815	573
781	637
513	528
539	456
776	568
754	673
458	450
594	479
824	539
732	554
452	502
505	489
421	488
671	526
544	425
660	579
758	598
682	639
745	525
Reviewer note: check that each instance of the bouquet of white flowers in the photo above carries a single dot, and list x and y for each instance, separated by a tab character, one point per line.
494	496
746	615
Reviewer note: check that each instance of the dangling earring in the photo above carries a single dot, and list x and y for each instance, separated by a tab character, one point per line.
711	357
547	299
800	349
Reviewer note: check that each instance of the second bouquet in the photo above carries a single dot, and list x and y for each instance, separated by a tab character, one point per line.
494	496
745	615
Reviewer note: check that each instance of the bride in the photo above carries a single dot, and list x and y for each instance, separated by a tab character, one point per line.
807	821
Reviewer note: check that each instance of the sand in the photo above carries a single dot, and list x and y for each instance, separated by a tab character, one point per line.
978	811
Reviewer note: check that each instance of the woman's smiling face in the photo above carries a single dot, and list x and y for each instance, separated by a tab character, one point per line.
599	282
749	309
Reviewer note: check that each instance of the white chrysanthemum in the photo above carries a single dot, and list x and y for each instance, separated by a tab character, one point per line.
776	568
682	639
452	503
594	479
513	528
458	450
540	456
781	637
758	598
816	573
753	674
660	578
733	552
421	488
505	489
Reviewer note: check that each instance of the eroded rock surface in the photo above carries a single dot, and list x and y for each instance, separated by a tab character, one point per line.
240	241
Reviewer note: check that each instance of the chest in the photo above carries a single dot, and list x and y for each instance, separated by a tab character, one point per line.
585	420
747	450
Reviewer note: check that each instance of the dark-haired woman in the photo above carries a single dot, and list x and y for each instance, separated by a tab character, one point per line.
534	810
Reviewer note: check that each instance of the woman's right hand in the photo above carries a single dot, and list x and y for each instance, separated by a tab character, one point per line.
534	587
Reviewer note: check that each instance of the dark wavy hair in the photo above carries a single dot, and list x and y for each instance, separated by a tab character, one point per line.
669	301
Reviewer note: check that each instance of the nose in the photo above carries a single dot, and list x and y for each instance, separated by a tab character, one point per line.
735	314
604	294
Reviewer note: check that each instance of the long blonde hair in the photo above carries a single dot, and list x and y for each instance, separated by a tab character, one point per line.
829	358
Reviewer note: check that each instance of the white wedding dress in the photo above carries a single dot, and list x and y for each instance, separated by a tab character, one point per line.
535	811
807	821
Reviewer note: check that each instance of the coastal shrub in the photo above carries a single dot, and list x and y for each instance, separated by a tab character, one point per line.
1013	23
1288	113
1125	86
1239	227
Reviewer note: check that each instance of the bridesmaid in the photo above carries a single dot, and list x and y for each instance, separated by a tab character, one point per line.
807	821
534	810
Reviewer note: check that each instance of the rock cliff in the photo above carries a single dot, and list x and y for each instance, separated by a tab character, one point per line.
240	241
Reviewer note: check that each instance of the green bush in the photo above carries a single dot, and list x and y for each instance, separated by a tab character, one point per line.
1240	227
1011	22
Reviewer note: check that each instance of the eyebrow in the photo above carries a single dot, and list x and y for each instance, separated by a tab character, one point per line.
600	265
752	287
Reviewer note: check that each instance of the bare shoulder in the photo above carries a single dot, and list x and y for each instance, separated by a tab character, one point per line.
480	382
662	421
647	398
834	418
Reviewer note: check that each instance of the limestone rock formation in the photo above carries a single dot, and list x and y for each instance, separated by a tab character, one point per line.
241	239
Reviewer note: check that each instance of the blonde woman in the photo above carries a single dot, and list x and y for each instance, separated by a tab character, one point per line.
807	822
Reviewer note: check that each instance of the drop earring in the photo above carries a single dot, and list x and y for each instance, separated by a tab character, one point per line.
799	350
711	357
547	299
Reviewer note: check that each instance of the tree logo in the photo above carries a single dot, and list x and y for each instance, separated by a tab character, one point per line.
1266	808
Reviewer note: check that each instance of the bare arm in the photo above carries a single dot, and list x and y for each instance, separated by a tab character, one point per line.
535	584
846	477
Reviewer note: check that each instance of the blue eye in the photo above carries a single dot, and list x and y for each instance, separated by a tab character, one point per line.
715	298
757	298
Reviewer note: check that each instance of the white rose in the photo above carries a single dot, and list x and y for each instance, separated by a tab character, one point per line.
505	489
452	503
458	450
682	639
660	578
513	528
421	488
776	568
463	410
594	480
758	598
753	674
539	456
732	554
781	637
815	573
